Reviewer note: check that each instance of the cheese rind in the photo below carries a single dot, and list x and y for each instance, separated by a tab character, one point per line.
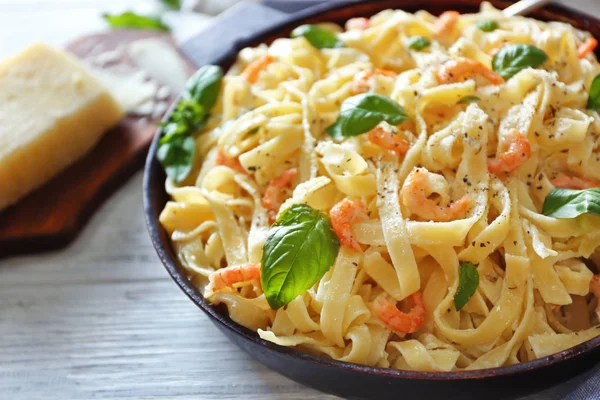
52	112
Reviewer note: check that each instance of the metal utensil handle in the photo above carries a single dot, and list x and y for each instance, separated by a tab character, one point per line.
523	7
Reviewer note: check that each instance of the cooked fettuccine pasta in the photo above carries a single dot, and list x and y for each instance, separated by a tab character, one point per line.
399	193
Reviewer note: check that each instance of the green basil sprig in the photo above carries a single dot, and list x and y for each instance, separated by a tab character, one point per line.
300	248
177	156
569	203
468	280
468	99
319	37
188	116
204	86
512	58
418	43
131	20
361	113
594	96
177	148
487	26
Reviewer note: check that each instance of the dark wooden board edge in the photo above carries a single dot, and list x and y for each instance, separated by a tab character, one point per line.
111	180
51	217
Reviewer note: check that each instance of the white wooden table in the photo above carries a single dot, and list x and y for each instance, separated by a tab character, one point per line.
101	319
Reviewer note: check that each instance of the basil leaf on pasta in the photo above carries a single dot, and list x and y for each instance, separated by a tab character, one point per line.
176	147
319	37
361	113
300	248
513	58
177	157
204	86
569	203
418	42
131	20
594	96
468	280
469	99
487	26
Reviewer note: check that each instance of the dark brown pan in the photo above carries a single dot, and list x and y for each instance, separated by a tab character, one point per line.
358	381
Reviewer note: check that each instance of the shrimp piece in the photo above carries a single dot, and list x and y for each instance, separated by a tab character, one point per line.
595	291
361	80
232	163
446	23
464	68
519	151
415	196
588	46
253	69
342	215
275	195
574	182
388	141
359	24
397	320
229	276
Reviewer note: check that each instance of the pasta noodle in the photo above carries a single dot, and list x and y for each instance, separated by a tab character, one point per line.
458	185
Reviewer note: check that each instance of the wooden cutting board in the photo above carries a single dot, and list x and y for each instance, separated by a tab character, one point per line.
51	216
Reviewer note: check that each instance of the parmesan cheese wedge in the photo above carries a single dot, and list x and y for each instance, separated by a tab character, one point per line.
52	112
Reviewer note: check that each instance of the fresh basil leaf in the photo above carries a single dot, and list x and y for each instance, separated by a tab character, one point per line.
418	42
300	248
319	37
172	4
468	280
569	203
513	58
204	86
361	113
468	99
594	96
131	20
177	157
487	26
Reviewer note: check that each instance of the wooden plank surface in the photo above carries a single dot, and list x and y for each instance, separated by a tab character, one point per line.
101	319
51	216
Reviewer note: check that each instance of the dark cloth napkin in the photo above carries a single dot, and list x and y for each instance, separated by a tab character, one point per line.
244	19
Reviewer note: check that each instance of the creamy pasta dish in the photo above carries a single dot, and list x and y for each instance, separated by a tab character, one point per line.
409	191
